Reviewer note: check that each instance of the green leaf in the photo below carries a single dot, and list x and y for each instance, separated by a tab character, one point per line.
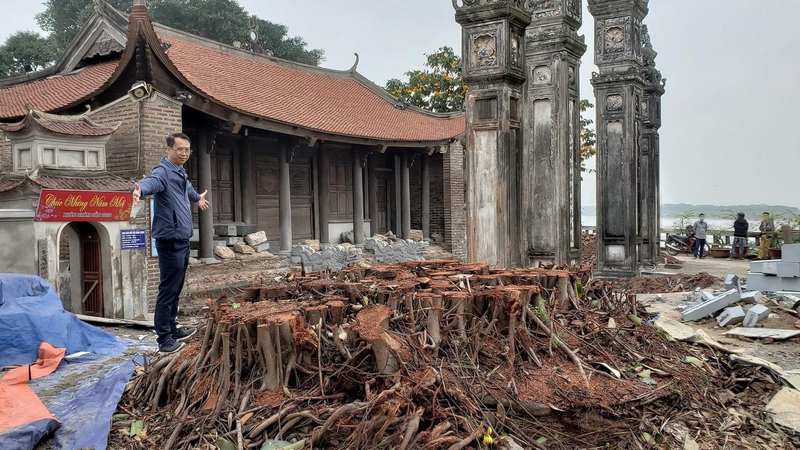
647	437
137	427
116	417
224	444
645	373
633	318
541	441
236	305
649	381
693	361
283	445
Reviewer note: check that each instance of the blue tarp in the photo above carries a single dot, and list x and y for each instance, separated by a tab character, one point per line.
31	313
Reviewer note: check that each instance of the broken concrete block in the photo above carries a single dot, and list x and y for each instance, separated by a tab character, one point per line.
224	252
231	241
710	307
731	316
751	297
770	268
788	270
225	230
732	282
755	314
256	238
758	266
763	283
790	253
313	244
243	248
262	247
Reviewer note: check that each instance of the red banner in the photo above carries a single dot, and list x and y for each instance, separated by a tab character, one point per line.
83	206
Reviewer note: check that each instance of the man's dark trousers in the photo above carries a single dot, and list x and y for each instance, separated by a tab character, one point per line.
173	259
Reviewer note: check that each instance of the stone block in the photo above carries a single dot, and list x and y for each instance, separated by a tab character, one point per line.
790	253
751	297
220	243
194	253
763	283
416	235
262	247
231	241
241	247
790	284
770	268
225	230
244	230
758	266
788	270
731	316
335	257
710	307
755	314
732	282
224	252
195	235
256	238
208	261
311	243
400	250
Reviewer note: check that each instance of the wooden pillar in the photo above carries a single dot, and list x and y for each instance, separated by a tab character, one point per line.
324	196
205	218
426	197
406	195
358	198
248	188
398	209
372	193
285	199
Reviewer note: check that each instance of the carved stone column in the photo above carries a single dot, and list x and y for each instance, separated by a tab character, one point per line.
205	218
551	156
358	198
493	67
285	197
650	160
619	88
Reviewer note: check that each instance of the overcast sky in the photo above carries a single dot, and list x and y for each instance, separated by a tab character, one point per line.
732	68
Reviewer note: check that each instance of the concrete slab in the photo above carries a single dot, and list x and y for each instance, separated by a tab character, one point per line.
788	270
758	266
754	315
225	230
195	235
770	268
763	283
220	243
785	408
710	307
790	253
790	284
261	248
731	316
194	253
763	333
210	261
244	230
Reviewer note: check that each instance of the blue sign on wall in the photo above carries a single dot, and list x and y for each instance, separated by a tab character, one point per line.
135	239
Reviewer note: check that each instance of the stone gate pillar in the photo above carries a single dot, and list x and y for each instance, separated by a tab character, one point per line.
650	161
619	88
551	155
493	68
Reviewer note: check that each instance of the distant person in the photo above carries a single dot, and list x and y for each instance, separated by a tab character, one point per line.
767	229
700	230
740	228
173	195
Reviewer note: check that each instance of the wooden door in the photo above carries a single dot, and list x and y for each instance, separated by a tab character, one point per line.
91	272
268	196
222	184
382	221
300	172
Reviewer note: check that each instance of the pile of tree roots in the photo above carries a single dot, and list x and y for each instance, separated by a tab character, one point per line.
431	355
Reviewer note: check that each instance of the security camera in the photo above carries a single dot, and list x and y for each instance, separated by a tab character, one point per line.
140	91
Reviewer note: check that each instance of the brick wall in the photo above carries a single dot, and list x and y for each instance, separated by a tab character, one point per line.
437	193
455	213
6	159
122	150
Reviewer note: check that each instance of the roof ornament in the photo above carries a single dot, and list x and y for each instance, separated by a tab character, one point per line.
402	103
527	5
355	65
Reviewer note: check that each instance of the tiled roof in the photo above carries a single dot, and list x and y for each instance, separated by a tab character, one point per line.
80	181
79	125
331	103
9	183
54	92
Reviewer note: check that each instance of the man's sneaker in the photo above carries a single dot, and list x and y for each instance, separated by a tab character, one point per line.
181	334
170	346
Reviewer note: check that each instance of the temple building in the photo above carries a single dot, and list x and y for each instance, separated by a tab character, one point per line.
298	151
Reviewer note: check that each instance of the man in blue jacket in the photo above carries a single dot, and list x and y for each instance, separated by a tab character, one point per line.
172	227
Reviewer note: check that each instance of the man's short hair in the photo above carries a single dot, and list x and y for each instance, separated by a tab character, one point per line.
171	138
766	213
702	214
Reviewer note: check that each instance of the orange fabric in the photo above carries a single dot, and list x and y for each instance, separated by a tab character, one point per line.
18	403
